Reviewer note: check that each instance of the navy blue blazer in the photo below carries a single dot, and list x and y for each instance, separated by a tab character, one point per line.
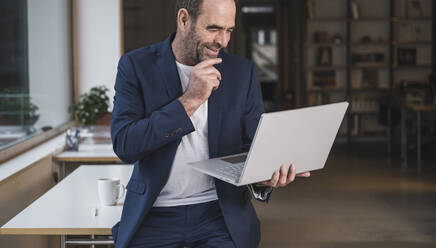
148	123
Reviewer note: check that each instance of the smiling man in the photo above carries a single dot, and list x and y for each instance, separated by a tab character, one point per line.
180	101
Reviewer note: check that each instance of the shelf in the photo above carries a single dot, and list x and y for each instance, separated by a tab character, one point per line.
413	67
375	19
326	68
377	90
421	19
375	43
413	43
327	90
312	44
327	19
355	67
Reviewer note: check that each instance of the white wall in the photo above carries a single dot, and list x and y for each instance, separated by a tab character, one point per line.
97	43
50	60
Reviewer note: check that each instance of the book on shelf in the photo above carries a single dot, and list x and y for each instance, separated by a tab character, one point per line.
364	103
324	79
367	58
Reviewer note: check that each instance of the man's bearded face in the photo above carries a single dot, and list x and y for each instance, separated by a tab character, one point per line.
196	49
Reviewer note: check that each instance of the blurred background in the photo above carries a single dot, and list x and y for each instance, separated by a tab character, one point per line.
379	185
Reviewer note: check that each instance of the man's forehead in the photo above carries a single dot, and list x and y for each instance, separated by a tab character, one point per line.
218	12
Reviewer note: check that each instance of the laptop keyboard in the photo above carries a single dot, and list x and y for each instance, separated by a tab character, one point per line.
231	171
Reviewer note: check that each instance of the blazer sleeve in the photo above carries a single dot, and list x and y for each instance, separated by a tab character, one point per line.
252	113
135	135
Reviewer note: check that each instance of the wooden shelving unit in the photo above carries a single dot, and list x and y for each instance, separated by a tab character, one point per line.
357	42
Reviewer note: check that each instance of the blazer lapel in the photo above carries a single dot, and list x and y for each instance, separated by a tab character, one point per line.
167	66
214	113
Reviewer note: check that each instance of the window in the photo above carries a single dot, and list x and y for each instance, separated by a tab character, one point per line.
35	67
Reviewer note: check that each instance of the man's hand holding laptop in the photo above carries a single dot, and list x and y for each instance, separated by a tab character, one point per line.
284	176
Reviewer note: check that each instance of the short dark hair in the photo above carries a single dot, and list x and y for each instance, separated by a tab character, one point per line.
192	6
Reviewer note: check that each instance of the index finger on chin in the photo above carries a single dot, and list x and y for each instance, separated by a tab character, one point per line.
209	62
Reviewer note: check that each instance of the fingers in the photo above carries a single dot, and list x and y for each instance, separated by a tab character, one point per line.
212	72
275	179
291	174
278	179
305	174
283	174
215	84
209	62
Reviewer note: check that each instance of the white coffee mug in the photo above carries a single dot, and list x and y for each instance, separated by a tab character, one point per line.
109	190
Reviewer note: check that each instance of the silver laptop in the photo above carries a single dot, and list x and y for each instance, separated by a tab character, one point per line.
301	136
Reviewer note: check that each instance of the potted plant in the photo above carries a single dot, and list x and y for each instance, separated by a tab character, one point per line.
92	106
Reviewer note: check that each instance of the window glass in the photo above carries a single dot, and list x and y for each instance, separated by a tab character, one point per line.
35	67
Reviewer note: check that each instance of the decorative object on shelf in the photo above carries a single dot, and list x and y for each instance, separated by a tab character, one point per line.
324	79
354	10
416	93
414	9
367	59
366	39
17	109
72	139
406	56
324	56
370	78
320	37
337	39
310	9
92	105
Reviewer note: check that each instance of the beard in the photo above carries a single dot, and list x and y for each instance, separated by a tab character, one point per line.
194	48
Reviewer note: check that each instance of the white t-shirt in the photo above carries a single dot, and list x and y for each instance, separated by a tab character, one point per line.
186	186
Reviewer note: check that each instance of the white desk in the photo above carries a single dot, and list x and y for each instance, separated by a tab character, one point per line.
95	154
68	207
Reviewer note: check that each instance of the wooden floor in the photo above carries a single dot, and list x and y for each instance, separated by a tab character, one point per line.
361	199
